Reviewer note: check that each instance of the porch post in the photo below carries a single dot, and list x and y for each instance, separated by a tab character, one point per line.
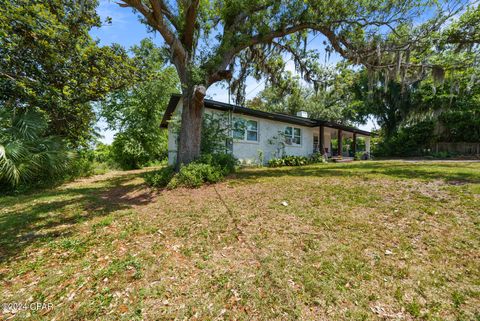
367	144
340	143
321	138
354	144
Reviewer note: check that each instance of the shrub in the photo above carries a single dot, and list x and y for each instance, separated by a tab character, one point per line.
360	156
216	135
460	125
195	175
443	155
103	153
128	153
80	165
226	162
414	140
275	162
160	178
209	168
317	158
296	160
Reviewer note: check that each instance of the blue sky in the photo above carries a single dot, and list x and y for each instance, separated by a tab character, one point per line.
127	31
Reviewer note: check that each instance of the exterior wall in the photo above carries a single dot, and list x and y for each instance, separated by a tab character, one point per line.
172	146
173	136
248	152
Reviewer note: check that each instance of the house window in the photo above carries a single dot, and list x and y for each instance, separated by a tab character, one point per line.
293	136
252	130
245	130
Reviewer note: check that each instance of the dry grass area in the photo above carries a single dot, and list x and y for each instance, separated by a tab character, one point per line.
364	240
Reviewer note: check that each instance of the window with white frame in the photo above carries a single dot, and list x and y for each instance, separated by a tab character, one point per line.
245	129
293	136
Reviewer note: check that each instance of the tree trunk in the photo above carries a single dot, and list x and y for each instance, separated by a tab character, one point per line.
191	125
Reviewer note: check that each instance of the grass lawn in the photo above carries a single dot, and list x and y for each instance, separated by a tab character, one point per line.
363	240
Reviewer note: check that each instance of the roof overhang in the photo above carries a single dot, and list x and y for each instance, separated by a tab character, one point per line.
308	122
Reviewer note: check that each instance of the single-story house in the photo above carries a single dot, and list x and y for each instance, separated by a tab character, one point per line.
259	136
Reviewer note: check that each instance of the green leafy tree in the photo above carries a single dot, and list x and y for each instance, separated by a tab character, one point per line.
136	111
388	106
48	61
103	153
127	153
333	100
207	40
464	31
216	134
448	95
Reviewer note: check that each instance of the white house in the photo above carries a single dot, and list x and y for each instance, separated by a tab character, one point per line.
262	135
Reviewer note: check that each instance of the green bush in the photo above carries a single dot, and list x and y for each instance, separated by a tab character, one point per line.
414	140
226	162
128	153
359	155
103	153
317	158
443	155
160	178
216	135
461	125
275	162
195	175
81	164
209	168
296	160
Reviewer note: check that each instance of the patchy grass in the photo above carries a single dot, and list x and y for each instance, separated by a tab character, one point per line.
363	240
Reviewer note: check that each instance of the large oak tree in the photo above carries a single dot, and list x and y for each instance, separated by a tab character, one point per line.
207	39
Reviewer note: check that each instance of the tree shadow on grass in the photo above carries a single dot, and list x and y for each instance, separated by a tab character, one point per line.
451	173
43	220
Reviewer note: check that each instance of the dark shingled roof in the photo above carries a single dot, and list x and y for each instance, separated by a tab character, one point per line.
308	122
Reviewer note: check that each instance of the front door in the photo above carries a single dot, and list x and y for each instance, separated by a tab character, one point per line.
315	144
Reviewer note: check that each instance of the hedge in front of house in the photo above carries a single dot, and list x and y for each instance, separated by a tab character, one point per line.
296	160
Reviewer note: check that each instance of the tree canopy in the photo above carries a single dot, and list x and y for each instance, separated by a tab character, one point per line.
49	62
335	101
209	40
51	71
136	111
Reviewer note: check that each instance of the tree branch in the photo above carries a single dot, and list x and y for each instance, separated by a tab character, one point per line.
168	13
154	16
230	54
337	43
190	21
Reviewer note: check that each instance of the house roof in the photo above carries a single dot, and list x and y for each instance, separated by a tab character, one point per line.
296	120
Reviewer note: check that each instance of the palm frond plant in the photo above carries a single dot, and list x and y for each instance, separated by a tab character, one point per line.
27	154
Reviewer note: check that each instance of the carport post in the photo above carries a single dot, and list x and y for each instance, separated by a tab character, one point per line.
321	137
340	143
354	144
